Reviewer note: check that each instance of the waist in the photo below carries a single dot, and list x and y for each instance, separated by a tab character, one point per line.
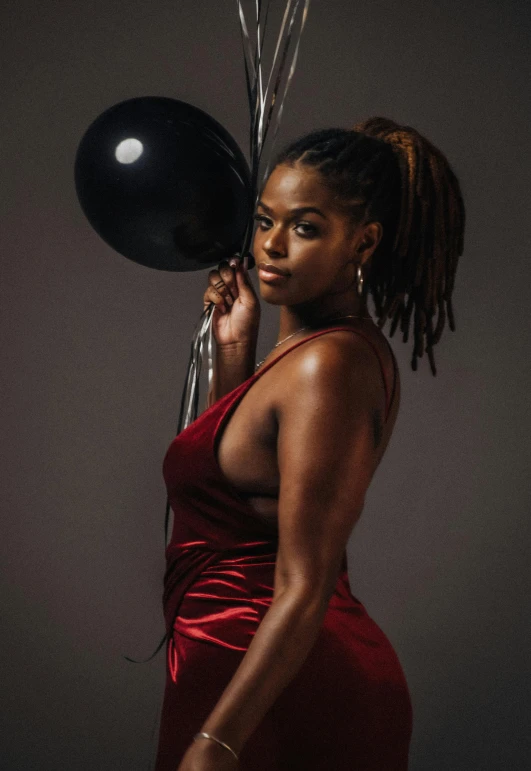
227	600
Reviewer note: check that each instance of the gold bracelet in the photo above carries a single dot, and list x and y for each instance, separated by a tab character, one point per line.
203	735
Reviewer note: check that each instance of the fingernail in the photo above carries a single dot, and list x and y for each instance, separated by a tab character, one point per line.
233	263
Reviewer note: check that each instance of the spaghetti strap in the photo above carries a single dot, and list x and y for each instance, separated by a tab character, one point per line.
389	398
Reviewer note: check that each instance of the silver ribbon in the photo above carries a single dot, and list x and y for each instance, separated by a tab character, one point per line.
266	106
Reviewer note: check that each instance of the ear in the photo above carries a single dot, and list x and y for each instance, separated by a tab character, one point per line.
369	237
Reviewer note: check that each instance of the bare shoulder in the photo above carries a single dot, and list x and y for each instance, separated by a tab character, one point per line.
337	366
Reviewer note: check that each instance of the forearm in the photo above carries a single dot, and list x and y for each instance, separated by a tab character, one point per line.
233	365
280	646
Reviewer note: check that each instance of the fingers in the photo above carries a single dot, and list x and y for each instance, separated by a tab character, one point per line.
213	295
223	288
226	271
228	281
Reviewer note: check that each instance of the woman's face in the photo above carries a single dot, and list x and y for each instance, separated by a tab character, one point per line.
303	232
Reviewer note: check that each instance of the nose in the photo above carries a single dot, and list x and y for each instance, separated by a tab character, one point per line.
274	245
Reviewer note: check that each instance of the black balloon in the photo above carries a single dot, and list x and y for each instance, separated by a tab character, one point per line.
164	184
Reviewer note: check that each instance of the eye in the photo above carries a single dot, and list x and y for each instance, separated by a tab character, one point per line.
309	230
261	220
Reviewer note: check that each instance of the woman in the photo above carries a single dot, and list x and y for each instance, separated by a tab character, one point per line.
272	662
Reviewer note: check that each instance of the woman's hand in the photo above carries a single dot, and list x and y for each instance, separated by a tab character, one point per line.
206	755
237	314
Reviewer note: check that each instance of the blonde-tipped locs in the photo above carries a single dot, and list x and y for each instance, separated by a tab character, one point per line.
392	174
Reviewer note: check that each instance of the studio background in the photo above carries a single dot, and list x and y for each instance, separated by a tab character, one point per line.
95	349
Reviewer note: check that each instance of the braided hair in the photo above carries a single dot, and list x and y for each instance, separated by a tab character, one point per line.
385	172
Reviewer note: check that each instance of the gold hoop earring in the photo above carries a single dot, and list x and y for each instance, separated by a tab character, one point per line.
359	280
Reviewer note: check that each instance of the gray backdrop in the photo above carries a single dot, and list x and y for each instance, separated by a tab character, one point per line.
95	349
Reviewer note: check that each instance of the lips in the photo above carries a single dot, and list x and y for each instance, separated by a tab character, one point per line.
268	268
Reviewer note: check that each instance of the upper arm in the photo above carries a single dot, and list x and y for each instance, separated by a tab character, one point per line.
325	456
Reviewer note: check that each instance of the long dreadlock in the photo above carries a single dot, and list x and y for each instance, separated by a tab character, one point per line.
392	174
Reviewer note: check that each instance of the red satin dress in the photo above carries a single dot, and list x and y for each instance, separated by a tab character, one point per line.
348	707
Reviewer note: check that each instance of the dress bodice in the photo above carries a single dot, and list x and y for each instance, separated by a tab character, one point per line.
221	556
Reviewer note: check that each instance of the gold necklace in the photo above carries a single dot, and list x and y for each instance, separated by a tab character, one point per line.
349	316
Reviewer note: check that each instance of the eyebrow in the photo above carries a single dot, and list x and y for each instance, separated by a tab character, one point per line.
295	212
